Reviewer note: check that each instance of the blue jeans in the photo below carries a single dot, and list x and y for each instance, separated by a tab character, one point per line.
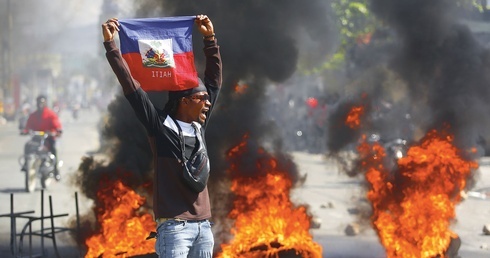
184	239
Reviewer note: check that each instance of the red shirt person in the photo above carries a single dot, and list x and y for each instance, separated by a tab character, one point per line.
43	119
46	120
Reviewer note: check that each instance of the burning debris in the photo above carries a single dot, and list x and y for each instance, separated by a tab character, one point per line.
435	74
413	204
266	223
119	182
413	209
124	223
353	118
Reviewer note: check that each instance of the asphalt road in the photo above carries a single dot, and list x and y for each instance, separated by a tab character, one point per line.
329	194
80	137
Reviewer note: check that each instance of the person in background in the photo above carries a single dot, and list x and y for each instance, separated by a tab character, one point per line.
24	115
57	107
46	120
182	213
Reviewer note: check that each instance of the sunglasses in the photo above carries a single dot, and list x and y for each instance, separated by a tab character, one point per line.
204	97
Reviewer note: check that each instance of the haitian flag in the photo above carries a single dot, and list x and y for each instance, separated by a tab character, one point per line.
159	52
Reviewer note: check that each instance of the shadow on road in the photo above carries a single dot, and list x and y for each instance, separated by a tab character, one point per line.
13	190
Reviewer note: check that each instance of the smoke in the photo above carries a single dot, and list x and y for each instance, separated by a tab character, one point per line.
437	64
443	64
124	155
423	69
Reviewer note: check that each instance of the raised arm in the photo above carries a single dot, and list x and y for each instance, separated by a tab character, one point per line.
212	73
139	100
113	55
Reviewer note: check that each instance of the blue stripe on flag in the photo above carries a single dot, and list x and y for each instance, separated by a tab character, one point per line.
177	28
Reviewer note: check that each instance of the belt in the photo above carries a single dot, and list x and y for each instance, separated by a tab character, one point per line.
162	220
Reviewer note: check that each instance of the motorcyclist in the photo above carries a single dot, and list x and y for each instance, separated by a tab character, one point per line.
46	120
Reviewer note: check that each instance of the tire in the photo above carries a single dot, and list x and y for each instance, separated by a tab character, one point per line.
31	176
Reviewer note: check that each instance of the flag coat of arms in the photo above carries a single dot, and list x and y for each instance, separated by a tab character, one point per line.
159	52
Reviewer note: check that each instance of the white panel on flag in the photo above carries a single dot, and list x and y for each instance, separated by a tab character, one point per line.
157	53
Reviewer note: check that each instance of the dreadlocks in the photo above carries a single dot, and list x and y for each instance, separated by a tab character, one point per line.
171	107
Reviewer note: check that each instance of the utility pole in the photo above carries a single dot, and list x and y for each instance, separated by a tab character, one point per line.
4	56
3	49
6	62
9	51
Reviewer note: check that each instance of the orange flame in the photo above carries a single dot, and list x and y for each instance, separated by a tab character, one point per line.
123	228
412	210
353	119
364	39
266	222
241	88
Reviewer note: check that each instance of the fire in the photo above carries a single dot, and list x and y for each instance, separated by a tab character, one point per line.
353	119
364	39
412	210
241	87
123	227
267	224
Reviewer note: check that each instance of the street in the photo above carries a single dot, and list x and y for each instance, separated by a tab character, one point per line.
329	194
79	138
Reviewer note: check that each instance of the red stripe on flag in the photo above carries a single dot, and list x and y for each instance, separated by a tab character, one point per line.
182	77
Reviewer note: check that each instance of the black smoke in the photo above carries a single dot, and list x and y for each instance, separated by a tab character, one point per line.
432	58
443	63
424	69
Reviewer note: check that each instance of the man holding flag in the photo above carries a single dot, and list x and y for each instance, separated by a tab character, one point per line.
156	55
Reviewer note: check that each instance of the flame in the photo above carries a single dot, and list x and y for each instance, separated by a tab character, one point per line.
123	227
412	210
364	39
353	119
241	87
266	222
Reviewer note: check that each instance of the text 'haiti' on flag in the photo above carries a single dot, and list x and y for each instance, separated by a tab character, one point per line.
159	52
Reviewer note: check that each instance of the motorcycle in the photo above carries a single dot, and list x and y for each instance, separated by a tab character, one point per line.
38	162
